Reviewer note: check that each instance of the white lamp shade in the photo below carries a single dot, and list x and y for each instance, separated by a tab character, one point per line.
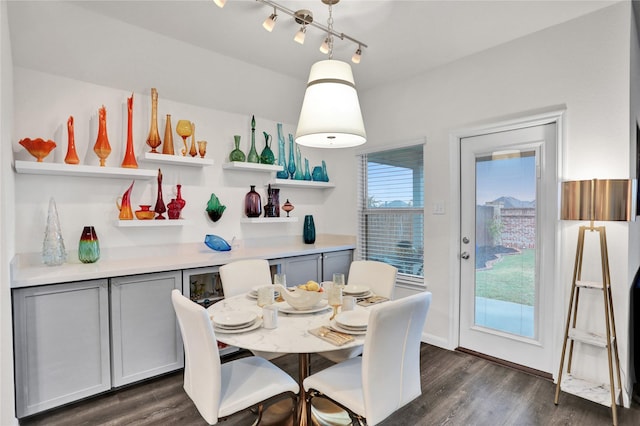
330	116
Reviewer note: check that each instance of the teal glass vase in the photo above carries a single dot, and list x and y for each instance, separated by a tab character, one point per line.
299	173
282	174
308	230
266	156
307	174
253	157
292	162
89	246
237	154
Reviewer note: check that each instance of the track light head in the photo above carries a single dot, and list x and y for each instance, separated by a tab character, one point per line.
324	47
356	56
270	22
299	38
220	3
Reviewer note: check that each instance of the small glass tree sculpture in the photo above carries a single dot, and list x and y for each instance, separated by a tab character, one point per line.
53	251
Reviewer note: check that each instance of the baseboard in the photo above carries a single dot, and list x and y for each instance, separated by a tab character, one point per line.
436	341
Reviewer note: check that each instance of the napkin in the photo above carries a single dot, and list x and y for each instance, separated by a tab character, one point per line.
372	300
331	336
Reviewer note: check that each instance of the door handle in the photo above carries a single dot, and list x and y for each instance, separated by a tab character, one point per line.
464	255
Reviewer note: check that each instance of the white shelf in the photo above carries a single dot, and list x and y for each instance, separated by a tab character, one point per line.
252	167
268	219
63	169
177	159
588	337
151	223
596	392
590	284
278	183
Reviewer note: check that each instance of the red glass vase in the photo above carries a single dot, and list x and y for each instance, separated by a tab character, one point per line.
160	208
72	155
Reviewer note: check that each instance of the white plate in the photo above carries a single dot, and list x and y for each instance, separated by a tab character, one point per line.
234	318
253	326
354	289
353	319
288	309
336	327
232	327
360	295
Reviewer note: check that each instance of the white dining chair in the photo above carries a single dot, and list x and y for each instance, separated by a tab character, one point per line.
240	277
387	376
380	277
219	390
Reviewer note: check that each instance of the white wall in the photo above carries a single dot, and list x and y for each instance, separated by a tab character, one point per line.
582	65
7	220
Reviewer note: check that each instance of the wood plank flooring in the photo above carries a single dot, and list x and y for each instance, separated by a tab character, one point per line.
457	389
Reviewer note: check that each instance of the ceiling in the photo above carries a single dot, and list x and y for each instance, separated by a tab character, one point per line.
404	38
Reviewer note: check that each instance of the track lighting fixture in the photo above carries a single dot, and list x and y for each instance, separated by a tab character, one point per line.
303	17
270	22
220	3
299	38
356	56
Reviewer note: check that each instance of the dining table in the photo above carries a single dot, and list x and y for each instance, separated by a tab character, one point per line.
291	336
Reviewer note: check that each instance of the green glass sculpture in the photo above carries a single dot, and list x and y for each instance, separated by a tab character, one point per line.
214	208
253	154
237	154
266	156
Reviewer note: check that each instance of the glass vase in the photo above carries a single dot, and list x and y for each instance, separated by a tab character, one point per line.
153	140
252	203
160	207
253	154
308	230
89	246
102	148
299	172
72	154
236	154
307	174
282	174
292	162
129	160
168	148
53	251
325	176
266	156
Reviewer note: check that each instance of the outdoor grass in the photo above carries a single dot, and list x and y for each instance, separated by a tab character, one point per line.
511	279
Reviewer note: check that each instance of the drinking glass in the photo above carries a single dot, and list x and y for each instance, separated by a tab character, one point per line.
338	280
280	279
184	129
265	295
335	299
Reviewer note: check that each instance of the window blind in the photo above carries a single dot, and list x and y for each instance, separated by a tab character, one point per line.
391	210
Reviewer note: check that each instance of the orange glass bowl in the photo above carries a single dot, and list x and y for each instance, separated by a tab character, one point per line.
145	213
39	148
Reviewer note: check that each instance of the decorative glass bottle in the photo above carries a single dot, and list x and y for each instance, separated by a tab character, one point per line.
129	160
153	140
193	151
53	251
72	155
236	154
292	162
252	203
307	174
299	172
89	246
325	176
309	230
266	156
102	147
160	208
168	148
275	197
253	154
282	174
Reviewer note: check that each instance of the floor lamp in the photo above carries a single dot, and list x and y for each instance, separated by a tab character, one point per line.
594	200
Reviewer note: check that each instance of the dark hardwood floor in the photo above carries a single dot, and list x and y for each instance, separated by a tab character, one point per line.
457	389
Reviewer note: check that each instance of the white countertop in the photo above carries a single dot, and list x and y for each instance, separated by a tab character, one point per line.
28	270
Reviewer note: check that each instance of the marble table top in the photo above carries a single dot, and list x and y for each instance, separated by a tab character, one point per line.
291	336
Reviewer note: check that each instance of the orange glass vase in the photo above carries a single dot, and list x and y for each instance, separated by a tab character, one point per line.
153	140
102	147
72	155
129	160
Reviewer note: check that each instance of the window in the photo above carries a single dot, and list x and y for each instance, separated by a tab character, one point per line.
391	210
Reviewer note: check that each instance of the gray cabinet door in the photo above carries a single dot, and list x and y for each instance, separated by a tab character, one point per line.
144	330
334	262
300	269
61	344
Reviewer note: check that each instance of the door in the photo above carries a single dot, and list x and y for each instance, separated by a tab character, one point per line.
508	205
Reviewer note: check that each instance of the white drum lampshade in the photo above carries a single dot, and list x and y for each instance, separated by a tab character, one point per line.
330	116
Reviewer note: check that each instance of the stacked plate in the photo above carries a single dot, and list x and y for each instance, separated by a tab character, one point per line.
356	290
236	321
352	322
254	292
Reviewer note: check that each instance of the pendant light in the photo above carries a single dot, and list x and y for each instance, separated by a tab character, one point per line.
330	116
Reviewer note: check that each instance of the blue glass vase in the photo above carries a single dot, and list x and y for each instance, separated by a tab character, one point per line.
307	174
299	172
282	174
292	162
309	230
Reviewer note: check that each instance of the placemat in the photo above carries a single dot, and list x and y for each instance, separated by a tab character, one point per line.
372	300
333	337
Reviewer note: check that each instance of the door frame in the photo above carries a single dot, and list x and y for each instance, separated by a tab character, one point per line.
556	116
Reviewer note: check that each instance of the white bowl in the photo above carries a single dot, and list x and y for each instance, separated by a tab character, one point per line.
302	299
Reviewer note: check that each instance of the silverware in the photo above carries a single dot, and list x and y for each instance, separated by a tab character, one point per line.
334	335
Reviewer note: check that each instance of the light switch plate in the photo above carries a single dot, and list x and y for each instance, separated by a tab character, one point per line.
438	207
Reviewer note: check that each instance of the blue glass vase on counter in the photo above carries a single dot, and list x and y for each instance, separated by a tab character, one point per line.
308	230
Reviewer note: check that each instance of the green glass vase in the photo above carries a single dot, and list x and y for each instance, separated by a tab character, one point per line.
237	154
253	157
266	156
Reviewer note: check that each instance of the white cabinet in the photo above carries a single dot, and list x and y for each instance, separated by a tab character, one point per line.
335	262
61	344
300	269
145	335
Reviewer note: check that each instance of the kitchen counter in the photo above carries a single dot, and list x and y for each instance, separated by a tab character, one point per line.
28	270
